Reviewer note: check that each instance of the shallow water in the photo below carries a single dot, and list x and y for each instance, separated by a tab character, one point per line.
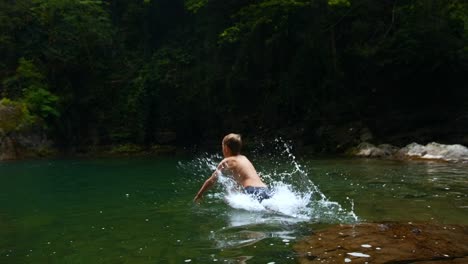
140	210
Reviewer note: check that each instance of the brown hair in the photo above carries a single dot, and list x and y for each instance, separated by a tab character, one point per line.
233	142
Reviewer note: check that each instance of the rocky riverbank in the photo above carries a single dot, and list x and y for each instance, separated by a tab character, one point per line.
413	151
32	147
352	138
23	146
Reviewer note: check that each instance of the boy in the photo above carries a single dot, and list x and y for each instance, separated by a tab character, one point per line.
239	167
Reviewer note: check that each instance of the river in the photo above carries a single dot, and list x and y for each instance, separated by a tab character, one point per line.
140	210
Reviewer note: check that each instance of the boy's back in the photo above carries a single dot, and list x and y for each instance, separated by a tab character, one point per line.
242	170
239	167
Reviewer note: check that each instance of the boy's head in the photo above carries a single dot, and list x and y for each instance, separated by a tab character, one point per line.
233	142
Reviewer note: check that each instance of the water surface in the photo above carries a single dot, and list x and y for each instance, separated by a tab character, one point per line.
140	210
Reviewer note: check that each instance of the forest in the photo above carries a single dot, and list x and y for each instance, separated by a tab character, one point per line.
90	73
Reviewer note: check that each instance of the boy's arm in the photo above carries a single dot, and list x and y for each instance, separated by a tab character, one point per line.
210	182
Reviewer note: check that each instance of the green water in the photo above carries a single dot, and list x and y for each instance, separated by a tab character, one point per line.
139	210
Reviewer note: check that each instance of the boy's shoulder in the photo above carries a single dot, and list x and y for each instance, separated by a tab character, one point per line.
233	160
229	159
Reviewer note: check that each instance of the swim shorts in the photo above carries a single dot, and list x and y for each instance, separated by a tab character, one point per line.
260	193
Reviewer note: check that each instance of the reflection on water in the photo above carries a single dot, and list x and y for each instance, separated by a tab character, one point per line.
238	239
246	228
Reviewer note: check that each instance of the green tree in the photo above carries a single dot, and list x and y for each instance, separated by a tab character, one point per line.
76	49
29	85
14	117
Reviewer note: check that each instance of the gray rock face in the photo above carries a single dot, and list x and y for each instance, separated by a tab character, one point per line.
386	243
7	149
431	151
25	145
434	151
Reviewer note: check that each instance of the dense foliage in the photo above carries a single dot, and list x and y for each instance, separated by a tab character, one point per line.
95	72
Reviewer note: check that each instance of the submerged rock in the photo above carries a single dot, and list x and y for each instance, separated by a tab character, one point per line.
386	243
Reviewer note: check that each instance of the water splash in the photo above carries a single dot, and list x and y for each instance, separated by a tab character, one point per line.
295	196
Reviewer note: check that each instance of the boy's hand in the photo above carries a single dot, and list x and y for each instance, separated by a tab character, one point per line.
197	199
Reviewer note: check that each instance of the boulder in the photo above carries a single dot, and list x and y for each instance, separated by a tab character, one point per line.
366	149
413	151
434	151
386	243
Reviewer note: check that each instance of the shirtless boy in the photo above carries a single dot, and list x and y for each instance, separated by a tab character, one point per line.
239	167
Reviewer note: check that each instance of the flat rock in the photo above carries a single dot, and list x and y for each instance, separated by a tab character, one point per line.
394	243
